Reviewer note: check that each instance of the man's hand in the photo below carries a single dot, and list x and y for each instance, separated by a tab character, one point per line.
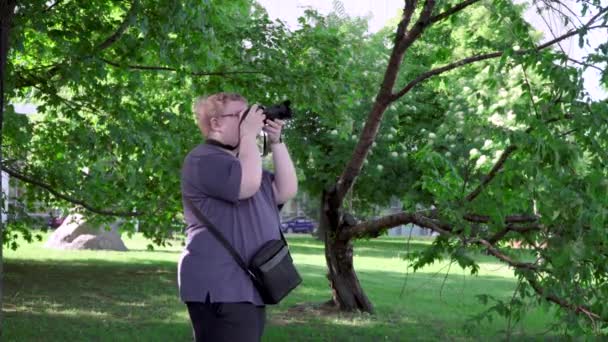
253	123
273	128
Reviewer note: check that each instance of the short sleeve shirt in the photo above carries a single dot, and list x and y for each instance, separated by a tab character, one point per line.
211	180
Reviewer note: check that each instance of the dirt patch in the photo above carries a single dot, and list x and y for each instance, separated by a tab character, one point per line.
303	312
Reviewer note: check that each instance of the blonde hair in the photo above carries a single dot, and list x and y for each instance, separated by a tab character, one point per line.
207	107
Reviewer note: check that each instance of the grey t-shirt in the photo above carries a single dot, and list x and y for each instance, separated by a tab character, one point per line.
211	179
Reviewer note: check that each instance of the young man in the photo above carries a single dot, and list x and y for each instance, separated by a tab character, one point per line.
224	179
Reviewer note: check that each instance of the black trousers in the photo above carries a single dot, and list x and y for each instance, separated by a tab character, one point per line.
230	322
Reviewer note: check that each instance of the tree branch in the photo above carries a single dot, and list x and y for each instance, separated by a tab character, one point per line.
534	283
452	10
408	11
580	309
425	219
421	24
478	58
488	178
548	4
512	228
503	257
52	5
23	82
509	219
73	200
374	227
503	158
587	65
374	118
121	29
195	73
361	229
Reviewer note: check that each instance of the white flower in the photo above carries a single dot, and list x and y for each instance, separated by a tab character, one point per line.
432	135
496	119
481	161
510	115
394	154
487	144
390	136
474	152
334	132
516	48
379	167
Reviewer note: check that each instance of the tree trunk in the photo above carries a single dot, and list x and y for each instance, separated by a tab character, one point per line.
7	10
347	293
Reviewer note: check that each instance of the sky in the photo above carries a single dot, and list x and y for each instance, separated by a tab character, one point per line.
380	11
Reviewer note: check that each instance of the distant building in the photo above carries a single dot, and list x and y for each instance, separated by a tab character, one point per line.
404	230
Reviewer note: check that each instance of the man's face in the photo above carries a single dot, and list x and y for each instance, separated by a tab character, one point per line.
230	118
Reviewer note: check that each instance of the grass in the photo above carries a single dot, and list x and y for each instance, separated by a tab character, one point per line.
52	295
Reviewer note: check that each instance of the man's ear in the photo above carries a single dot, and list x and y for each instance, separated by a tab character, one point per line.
214	124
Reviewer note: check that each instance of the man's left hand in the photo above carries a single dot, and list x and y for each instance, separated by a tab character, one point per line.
273	128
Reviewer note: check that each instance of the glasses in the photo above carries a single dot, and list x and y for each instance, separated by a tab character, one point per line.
229	115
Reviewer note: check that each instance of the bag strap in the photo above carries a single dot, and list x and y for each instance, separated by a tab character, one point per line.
211	227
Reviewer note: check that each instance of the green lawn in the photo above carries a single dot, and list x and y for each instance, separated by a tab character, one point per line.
55	295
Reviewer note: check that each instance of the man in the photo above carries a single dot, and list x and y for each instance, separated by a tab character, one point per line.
224	179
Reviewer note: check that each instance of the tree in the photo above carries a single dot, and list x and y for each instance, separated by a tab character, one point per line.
6	10
113	84
545	145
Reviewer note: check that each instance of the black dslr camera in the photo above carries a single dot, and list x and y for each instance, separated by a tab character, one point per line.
277	111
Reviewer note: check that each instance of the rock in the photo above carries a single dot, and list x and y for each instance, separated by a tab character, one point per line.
76	233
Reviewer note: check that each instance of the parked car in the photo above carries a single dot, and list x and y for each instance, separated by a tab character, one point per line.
55	222
298	224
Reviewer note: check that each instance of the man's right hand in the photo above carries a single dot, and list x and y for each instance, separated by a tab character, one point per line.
253	123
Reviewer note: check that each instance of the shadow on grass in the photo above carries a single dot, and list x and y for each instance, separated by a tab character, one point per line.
48	326
103	300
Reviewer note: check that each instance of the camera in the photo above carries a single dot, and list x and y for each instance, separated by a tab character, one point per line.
278	111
